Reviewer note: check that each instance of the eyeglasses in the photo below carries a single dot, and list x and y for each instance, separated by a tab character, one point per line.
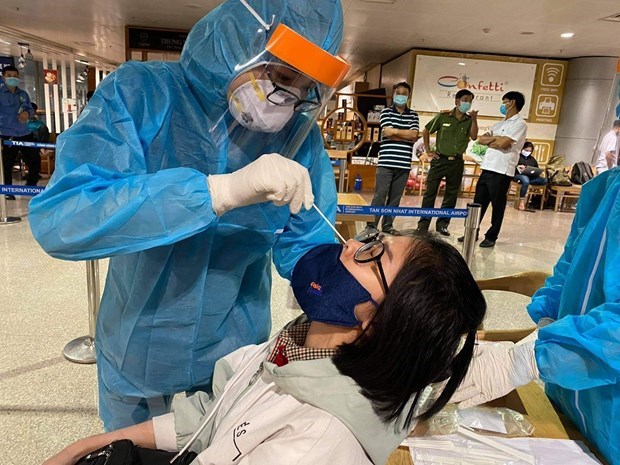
372	251
284	97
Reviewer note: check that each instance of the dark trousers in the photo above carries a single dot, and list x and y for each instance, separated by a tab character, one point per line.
31	157
389	186
441	168
493	188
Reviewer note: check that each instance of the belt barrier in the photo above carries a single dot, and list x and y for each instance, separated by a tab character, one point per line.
402	211
23	143
82	349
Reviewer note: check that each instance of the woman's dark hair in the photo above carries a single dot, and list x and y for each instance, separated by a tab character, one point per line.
528	144
416	332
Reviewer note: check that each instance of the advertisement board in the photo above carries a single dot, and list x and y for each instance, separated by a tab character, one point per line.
437	80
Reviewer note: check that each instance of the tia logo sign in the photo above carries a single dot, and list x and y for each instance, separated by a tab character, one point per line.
463	82
315	289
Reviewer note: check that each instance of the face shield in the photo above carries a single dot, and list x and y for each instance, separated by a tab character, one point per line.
275	101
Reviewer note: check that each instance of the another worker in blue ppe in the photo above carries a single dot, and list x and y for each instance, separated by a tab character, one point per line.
576	351
192	176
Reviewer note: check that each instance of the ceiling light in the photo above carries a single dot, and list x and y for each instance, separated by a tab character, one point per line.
29	55
567	35
462	64
5	42
84	62
21	63
527	33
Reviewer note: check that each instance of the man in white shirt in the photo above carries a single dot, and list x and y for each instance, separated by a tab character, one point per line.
608	150
498	166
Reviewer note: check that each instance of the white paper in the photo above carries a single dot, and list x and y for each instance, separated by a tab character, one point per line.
546	451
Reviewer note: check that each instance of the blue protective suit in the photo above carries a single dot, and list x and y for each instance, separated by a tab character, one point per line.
184	287
578	355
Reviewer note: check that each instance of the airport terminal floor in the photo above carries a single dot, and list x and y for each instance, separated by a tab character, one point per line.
47	402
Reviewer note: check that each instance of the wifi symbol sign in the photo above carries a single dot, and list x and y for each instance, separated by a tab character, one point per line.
552	74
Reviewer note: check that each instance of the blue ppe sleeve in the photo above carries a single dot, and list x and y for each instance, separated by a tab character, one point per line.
102	200
307	229
581	352
546	301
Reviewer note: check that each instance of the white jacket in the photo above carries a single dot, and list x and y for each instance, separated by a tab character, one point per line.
305	412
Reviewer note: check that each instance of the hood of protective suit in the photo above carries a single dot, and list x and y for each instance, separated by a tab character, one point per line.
230	39
320	384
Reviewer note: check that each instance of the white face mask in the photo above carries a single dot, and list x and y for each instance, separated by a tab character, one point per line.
525	153
249	106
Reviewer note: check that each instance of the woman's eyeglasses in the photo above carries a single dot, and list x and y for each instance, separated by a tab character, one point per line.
372	251
284	97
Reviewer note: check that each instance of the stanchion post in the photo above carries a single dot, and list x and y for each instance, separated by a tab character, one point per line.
4	219
82	349
471	229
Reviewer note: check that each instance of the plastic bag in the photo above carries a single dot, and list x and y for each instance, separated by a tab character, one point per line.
494	419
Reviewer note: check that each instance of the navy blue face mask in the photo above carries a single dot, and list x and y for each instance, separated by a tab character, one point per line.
325	289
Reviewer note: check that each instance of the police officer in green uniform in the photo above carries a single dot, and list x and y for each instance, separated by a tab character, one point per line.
454	128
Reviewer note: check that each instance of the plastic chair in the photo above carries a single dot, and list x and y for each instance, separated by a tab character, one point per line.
526	283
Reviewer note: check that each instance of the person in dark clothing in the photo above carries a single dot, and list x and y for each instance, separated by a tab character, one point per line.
526	159
31	155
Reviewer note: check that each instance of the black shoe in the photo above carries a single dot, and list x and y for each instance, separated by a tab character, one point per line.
367	234
444	231
487	243
391	231
462	238
9	197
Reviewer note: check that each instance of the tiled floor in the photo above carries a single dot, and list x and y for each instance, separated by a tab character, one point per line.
47	402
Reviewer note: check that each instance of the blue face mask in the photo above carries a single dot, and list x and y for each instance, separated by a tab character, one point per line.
12	81
464	107
502	109
400	100
325	289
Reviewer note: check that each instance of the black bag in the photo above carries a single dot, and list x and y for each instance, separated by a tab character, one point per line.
581	173
124	452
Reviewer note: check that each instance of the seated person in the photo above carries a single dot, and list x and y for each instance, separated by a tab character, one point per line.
30	155
576	352
527	159
344	383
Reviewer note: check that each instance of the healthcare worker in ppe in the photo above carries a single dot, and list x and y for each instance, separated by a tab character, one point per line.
192	176
576	351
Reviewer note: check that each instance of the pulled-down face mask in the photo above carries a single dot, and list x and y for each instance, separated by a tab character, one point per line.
325	289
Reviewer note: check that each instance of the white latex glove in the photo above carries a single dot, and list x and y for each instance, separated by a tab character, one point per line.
495	370
269	178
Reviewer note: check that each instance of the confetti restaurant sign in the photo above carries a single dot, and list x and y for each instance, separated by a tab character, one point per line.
438	79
